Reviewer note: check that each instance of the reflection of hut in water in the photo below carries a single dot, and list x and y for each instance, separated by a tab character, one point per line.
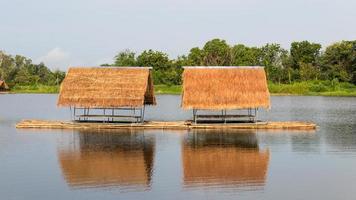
223	158
108	159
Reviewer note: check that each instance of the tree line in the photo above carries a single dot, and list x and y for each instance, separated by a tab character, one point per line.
19	70
304	61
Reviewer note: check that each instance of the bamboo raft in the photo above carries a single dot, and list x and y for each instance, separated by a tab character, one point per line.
185	125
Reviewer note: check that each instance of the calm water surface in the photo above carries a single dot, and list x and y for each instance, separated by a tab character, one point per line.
156	164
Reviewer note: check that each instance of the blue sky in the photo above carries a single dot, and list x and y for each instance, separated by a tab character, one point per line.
66	33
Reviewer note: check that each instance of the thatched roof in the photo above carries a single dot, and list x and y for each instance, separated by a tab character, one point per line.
3	85
225	88
108	87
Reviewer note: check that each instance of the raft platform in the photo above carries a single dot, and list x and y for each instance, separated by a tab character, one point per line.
47	124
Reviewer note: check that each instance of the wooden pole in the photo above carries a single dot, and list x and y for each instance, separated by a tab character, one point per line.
143	114
194	116
224	116
112	114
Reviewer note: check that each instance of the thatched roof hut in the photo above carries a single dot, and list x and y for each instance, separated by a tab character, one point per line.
3	86
218	88
107	87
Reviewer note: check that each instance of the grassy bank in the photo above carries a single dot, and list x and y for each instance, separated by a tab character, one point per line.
310	88
314	88
166	89
46	89
32	89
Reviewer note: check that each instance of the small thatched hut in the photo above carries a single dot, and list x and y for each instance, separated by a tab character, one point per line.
107	89
3	86
225	88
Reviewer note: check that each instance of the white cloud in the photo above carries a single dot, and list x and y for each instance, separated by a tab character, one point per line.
56	59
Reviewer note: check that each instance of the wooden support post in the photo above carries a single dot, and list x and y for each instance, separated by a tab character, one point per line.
194	116
249	114
141	111
108	118
143	114
224	116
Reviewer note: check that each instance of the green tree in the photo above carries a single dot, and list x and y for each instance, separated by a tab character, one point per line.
160	63
125	58
195	57
274	57
21	71
308	72
58	76
339	61
7	67
304	52
216	52
242	55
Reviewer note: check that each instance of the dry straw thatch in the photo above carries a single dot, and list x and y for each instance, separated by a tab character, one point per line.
3	86
218	88
107	87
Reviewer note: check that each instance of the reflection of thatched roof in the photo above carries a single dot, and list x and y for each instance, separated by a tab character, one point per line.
225	88
223	162
108	159
107	87
3	85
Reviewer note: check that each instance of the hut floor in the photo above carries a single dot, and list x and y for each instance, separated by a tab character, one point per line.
46	124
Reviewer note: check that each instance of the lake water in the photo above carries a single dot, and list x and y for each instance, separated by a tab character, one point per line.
156	164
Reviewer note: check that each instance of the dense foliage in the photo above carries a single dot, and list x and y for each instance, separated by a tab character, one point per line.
305	61
305	65
19	71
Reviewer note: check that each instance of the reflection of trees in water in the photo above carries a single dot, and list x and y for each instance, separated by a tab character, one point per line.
110	158
223	158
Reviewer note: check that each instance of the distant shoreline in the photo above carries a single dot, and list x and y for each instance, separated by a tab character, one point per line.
294	89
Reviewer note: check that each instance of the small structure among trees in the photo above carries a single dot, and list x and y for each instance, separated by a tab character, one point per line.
227	90
3	86
107	93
